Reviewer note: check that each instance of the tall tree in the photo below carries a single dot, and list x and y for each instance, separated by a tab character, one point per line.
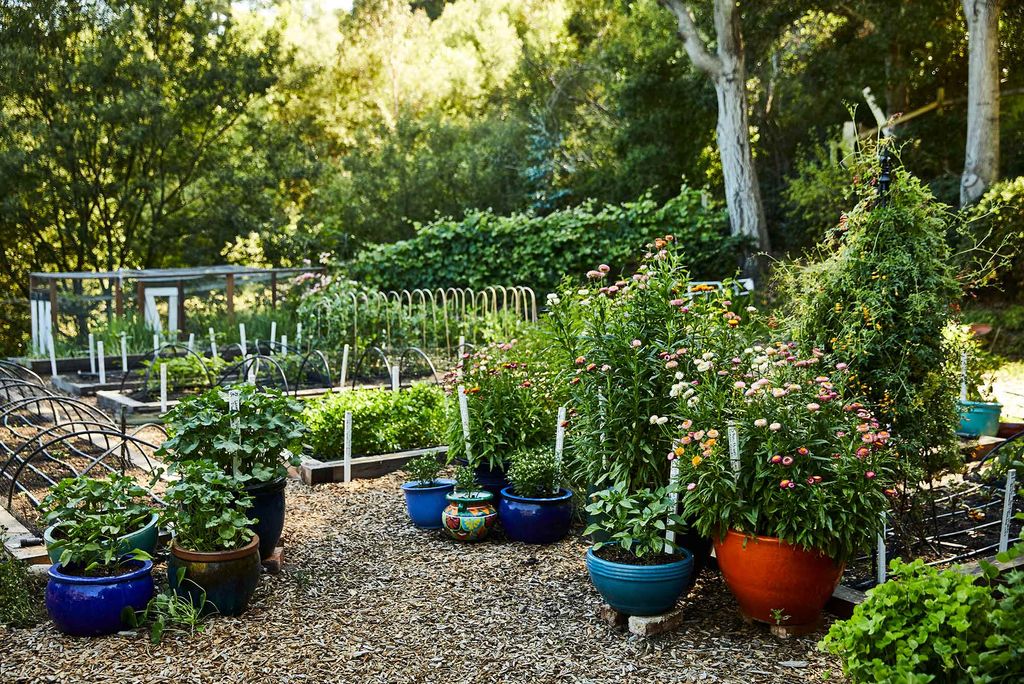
727	69
981	165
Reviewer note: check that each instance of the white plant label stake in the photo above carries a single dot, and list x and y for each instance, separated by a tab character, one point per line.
284	344
241	338
101	358
344	367
963	376
1004	527
348	446
298	335
395	384
163	388
124	353
156	342
53	362
880	552
92	353
670	534
734	448
273	334
234	406
559	444
462	345
192	341
464	411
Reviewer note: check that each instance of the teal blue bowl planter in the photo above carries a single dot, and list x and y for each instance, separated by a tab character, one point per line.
640	589
144	539
535	521
425	504
979	418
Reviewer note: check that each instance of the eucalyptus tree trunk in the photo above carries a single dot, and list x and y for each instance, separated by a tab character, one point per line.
727	69
981	163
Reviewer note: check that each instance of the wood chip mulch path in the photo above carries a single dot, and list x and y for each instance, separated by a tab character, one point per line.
366	597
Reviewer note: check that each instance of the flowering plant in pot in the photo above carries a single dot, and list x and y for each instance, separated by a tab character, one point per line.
213	539
804	486
255	443
637	570
535	509
425	493
95	579
509	403
470	513
74	499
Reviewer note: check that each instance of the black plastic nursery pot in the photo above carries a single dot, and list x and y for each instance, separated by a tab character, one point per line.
268	510
228	578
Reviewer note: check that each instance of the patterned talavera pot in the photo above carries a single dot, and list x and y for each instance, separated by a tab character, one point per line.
469	516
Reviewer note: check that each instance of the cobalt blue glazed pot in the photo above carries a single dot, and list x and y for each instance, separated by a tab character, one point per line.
92	606
491	478
268	510
535	520
640	589
425	504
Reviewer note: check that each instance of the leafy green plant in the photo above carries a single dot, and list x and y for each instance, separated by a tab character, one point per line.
207	508
636	523
465	480
923	625
382	421
185	372
423	470
534	473
91	546
75	498
258	441
20	597
169	611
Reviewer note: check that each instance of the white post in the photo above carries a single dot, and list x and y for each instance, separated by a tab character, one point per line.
241	339
560	436
124	353
1008	494
156	342
163	388
344	367
734	447
213	344
673	475
234	405
284	344
102	359
298	335
963	376
37	340
92	353
53	362
348	446
462	345
251	375
880	571
191	341
273	334
395	384
464	410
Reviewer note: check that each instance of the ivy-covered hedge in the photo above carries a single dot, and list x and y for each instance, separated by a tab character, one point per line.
486	249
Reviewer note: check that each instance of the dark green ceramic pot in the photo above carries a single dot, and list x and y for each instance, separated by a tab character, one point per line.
229	578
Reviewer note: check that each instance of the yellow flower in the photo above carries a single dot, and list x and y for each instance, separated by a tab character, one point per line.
679	451
696	461
710	443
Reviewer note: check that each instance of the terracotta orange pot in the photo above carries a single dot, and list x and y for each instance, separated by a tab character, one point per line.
772	579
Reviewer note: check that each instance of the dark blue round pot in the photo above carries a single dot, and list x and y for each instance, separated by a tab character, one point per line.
640	589
425	504
493	479
268	510
535	521
92	606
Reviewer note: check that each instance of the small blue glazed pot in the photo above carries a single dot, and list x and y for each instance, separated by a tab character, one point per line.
268	511
979	418
640	589
92	606
425	504
535	521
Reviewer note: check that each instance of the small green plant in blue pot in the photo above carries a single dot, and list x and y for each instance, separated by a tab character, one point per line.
637	570
535	509
425	493
94	582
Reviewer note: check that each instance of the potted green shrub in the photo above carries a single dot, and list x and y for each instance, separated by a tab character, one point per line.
802	487
95	580
425	493
535	509
637	570
213	543
255	443
470	513
979	411
75	498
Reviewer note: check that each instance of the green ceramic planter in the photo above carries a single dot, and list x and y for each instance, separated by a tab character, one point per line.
144	540
229	578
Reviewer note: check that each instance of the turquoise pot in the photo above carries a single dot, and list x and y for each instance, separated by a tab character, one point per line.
979	418
640	589
143	540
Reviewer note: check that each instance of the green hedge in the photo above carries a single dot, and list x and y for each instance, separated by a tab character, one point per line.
382	421
486	249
